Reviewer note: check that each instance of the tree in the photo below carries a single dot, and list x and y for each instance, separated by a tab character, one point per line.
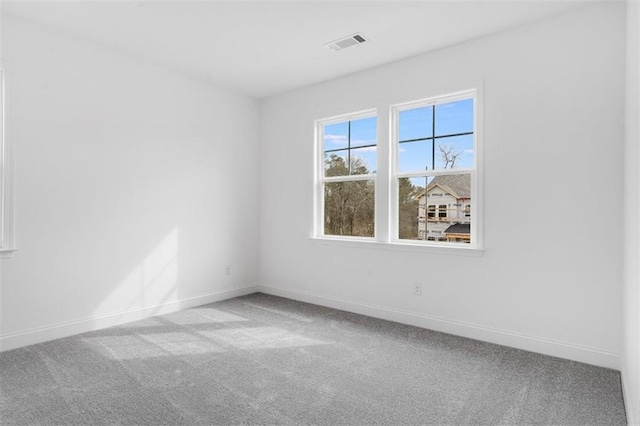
348	206
408	209
449	155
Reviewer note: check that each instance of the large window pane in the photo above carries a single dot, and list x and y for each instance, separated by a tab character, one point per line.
415	156
363	132
349	208
336	136
454	152
350	147
441	213
454	117
415	123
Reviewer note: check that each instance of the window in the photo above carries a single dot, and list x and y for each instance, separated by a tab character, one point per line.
432	211
442	211
349	157
424	187
434	157
6	205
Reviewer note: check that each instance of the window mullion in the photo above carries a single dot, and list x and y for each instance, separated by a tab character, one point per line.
349	145
383	175
433	137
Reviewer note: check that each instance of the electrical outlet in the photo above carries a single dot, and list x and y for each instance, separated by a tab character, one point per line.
417	289
227	269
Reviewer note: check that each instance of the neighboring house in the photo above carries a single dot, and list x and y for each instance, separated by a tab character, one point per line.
445	213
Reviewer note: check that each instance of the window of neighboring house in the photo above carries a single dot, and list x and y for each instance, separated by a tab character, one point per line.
431	210
434	146
348	175
6	212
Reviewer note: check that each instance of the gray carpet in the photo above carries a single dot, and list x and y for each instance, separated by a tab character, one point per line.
261	359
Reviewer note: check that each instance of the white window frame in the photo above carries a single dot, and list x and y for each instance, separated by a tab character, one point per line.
386	235
7	247
321	179
476	204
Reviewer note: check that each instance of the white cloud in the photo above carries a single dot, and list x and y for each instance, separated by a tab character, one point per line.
363	142
335	140
366	149
334	137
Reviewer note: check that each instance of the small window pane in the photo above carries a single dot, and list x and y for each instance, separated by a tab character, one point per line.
336	136
335	163
415	123
454	117
415	156
455	152
349	208
442	214
363	132
363	160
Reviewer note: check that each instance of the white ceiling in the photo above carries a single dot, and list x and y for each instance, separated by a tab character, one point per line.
267	47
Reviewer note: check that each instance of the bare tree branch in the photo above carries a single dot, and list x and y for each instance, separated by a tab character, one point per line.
449	155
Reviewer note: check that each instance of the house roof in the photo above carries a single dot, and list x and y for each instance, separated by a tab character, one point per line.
457	185
458	228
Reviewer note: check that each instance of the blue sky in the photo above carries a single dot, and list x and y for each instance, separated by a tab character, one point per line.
452	117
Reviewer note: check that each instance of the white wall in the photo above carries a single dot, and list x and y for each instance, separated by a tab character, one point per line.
549	280
128	183
631	293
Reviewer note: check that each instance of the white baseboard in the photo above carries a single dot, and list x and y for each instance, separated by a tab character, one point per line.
57	331
559	349
565	350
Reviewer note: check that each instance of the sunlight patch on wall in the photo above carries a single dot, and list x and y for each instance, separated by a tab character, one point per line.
153	282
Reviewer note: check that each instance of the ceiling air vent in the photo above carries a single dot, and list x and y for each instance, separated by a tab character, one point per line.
347	41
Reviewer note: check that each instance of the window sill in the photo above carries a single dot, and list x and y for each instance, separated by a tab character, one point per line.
398	246
7	253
